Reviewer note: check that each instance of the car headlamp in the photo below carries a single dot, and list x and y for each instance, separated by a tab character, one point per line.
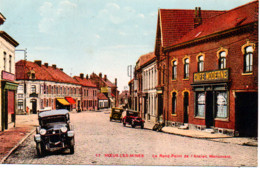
64	129
43	132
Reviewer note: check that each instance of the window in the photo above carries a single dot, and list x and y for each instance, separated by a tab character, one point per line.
200	64
47	103
10	63
20	104
186	68
87	92
173	103
222	60
221	104
200	100
174	70
33	89
42	104
163	74
20	96
248	59
4	61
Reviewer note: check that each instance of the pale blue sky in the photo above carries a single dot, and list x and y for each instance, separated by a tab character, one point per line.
83	36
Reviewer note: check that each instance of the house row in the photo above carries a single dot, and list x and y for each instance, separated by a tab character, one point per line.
203	73
47	87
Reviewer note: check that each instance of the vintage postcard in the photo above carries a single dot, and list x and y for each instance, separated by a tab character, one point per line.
129	82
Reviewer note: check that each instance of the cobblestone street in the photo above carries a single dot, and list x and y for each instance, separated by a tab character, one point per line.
101	142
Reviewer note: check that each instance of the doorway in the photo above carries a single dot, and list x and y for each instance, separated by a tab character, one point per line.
186	107
209	119
34	106
160	106
246	109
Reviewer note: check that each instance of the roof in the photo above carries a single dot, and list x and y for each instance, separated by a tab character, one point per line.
8	38
108	83
131	81
53	113
146	58
236	17
101	96
84	82
175	23
41	72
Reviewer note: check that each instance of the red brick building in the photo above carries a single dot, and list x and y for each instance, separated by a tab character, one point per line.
208	71
89	92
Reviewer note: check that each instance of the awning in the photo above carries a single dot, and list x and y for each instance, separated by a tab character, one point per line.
63	101
70	100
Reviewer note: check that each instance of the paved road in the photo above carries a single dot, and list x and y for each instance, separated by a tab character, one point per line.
99	142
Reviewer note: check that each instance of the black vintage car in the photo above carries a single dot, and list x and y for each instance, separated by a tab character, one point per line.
54	133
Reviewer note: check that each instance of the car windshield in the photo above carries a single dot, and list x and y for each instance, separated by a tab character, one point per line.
53	119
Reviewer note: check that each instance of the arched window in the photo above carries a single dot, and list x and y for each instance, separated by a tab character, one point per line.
174	103
200	101
248	59
222	60
174	70
200	64
186	68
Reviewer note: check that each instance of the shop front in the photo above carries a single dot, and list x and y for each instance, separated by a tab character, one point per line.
211	97
8	104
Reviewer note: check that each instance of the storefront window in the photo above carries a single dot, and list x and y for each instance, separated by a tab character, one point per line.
200	104
222	104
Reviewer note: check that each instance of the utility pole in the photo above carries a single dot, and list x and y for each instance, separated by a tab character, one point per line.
24	85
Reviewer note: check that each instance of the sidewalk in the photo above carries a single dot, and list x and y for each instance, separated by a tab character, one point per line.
11	138
205	135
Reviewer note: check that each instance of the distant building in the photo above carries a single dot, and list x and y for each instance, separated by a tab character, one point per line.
89	93
44	87
103	101
8	85
106	87
124	98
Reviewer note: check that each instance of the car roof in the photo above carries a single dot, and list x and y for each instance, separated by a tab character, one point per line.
53	113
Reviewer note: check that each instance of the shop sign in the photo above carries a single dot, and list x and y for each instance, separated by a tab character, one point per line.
211	76
104	90
8	76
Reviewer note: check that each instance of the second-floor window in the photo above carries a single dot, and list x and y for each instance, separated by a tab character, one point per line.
10	63
222	60
200	64
33	89
186	68
248	59
4	59
174	70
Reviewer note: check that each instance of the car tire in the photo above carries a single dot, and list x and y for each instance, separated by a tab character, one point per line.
155	127
142	126
40	149
72	147
133	124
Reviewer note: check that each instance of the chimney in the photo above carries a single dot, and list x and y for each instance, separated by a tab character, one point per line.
116	81
46	64
87	76
54	66
197	17
61	69
81	75
105	77
38	62
100	75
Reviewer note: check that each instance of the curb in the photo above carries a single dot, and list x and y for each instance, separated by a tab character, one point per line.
16	146
205	138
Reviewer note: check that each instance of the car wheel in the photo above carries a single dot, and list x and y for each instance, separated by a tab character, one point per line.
142	126
133	124
40	150
72	146
155	127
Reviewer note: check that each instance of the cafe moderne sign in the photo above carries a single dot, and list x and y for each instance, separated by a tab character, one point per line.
211	76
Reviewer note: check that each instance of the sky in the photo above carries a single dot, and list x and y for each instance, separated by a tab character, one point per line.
85	36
